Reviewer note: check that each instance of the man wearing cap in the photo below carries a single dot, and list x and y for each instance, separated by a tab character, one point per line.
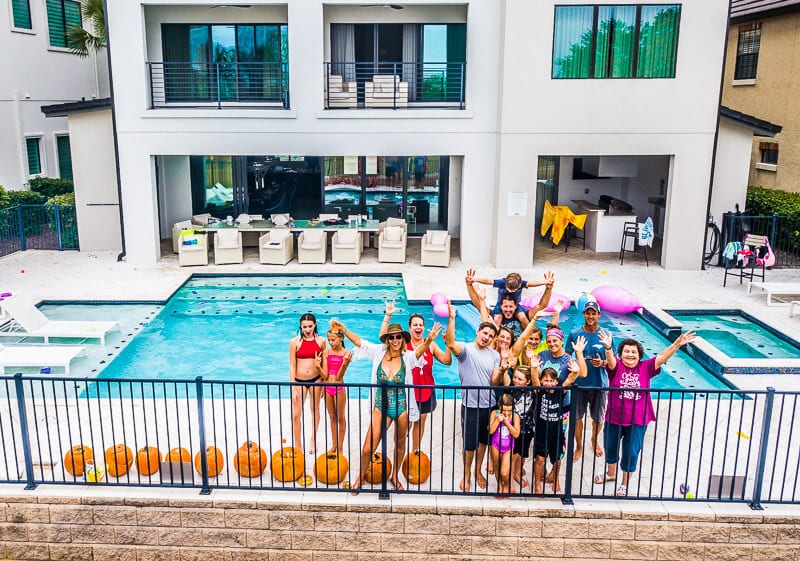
477	363
593	398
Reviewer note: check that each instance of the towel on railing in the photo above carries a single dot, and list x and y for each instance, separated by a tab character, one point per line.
646	233
558	217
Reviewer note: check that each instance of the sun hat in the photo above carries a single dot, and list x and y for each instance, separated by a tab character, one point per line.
591	305
396	328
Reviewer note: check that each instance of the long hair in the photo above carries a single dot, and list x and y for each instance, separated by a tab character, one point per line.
309	317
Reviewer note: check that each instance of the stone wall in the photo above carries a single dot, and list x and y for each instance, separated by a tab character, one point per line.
145	525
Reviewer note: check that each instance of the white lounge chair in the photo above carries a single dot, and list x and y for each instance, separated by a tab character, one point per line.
33	323
392	239
38	356
435	248
775	289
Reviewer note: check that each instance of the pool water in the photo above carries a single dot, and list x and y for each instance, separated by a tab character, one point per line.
238	328
737	335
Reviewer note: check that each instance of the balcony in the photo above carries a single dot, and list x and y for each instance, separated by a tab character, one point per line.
219	85
394	85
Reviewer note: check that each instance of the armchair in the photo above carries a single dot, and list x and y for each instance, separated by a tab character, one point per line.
312	246
346	246
387	91
193	248
177	228
228	247
276	247
392	239
338	93
435	248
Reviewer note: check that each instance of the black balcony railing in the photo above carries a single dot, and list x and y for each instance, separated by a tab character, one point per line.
220	84
394	85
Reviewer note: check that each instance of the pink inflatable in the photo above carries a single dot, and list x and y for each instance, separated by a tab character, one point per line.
616	299
530	301
438	298
441	310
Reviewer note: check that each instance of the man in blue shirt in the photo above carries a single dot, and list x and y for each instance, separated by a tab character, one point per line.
593	397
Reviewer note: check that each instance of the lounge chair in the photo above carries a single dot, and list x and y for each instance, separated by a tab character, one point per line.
276	247
38	356
346	246
33	323
435	249
392	239
228	247
193	248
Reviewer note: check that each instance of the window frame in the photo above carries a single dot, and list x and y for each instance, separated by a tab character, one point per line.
57	48
768	148
742	29
56	136
41	156
636	39
12	23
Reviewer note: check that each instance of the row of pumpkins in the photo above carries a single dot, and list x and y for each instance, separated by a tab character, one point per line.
288	463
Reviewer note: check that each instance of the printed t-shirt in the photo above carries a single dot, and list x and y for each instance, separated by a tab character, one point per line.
596	376
630	407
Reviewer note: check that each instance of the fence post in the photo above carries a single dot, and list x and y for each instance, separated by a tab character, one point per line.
755	504
59	232
567	498
384	494
396	83
21	225
23	424
201	424
219	92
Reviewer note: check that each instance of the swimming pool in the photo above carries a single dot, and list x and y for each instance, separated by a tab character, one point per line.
239	327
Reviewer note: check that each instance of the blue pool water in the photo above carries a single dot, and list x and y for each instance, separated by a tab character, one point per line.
237	328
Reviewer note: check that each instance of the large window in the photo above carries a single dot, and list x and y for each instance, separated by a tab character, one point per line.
32	148
619	41
64	157
21	10
747	51
61	15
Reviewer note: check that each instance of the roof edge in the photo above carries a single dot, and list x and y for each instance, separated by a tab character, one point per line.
83	106
758	126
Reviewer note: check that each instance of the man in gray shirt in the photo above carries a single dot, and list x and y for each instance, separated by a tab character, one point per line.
477	363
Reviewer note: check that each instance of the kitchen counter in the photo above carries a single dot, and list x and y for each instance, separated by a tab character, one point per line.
603	231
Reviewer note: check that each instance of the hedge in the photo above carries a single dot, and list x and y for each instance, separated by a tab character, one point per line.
766	202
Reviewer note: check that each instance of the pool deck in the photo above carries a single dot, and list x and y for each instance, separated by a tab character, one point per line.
52	275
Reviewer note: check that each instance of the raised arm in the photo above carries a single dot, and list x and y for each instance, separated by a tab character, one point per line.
549	281
476	299
433	333
520	342
450	332
577	366
387	317
352	337
666	354
443	356
605	338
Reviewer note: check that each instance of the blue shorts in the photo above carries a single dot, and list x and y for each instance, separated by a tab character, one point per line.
632	439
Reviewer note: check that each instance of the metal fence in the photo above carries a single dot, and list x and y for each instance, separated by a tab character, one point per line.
783	233
47	226
721	445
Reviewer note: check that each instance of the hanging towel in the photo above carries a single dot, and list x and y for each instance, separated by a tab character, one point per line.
646	233
731	249
558	217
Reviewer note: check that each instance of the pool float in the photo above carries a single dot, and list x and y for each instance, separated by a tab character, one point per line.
532	300
438	298
441	310
470	315
616	299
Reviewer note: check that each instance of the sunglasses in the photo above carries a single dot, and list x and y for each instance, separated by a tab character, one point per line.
394	337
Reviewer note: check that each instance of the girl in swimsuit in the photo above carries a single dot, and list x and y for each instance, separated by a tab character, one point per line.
334	364
504	426
392	364
305	359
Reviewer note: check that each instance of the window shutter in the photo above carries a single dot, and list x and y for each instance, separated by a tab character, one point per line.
22	14
34	161
64	157
62	14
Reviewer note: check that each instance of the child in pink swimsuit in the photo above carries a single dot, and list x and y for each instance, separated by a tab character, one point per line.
504	426
335	360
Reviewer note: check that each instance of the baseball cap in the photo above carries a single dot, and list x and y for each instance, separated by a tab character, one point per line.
591	305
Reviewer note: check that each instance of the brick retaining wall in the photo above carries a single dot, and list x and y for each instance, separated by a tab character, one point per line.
143	525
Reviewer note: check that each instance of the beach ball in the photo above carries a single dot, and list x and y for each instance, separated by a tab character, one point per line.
441	310
582	299
438	298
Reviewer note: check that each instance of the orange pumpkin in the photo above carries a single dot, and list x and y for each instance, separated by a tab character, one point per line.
331	468
148	460
373	472
214	460
250	460
178	455
288	464
75	459
417	467
119	459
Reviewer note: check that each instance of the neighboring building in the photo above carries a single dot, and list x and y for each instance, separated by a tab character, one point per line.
39	69
453	108
762	78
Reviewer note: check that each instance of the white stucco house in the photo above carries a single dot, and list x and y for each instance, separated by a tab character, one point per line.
471	112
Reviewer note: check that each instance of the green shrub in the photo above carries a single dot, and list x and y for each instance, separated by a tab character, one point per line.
24	198
766	202
49	187
4	200
66	199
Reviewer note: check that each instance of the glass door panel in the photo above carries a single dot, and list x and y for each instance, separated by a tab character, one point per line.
342	191
434	57
385	182
223	52
424	197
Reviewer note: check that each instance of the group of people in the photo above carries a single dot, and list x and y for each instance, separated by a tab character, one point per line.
515	387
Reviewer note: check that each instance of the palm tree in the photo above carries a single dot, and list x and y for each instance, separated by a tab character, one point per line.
82	40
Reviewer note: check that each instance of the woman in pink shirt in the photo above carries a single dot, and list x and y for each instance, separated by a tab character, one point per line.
630	411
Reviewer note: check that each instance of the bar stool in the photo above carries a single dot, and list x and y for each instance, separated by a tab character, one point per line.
630	231
572	234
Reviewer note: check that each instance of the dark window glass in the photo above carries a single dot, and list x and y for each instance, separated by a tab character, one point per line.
64	157
747	54
34	159
769	156
61	15
22	14
572	41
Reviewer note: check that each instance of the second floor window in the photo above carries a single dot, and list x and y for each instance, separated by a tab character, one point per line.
21	10
61	15
620	41
747	51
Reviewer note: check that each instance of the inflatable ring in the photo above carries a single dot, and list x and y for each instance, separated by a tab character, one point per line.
616	299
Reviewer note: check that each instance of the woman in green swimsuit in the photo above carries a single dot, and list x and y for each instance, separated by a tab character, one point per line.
391	366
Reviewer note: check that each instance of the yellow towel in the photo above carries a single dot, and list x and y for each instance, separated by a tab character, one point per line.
558	217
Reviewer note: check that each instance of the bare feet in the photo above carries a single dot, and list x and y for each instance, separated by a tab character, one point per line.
396	482
598	450
464	485
481	480
549	478
355	486
577	455
538	488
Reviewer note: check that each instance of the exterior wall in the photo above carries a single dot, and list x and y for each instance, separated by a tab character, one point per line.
95	176
730	171
668	117
232	526
305	129
175	196
35	75
771	96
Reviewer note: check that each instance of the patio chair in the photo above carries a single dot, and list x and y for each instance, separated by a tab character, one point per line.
177	228
193	248
340	94
392	239
38	356
280	219
346	246
276	247
746	260
228	247
631	241
435	249
33	323
312	246
385	91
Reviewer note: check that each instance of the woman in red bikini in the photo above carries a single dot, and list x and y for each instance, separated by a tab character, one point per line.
305	359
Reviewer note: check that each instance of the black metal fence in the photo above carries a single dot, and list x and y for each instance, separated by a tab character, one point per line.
394	85
218	84
783	233
37	227
721	445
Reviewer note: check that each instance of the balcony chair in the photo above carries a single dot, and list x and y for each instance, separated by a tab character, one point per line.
392	240
193	248
385	91
340	94
228	247
312	246
177	228
435	249
346	246
276	247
